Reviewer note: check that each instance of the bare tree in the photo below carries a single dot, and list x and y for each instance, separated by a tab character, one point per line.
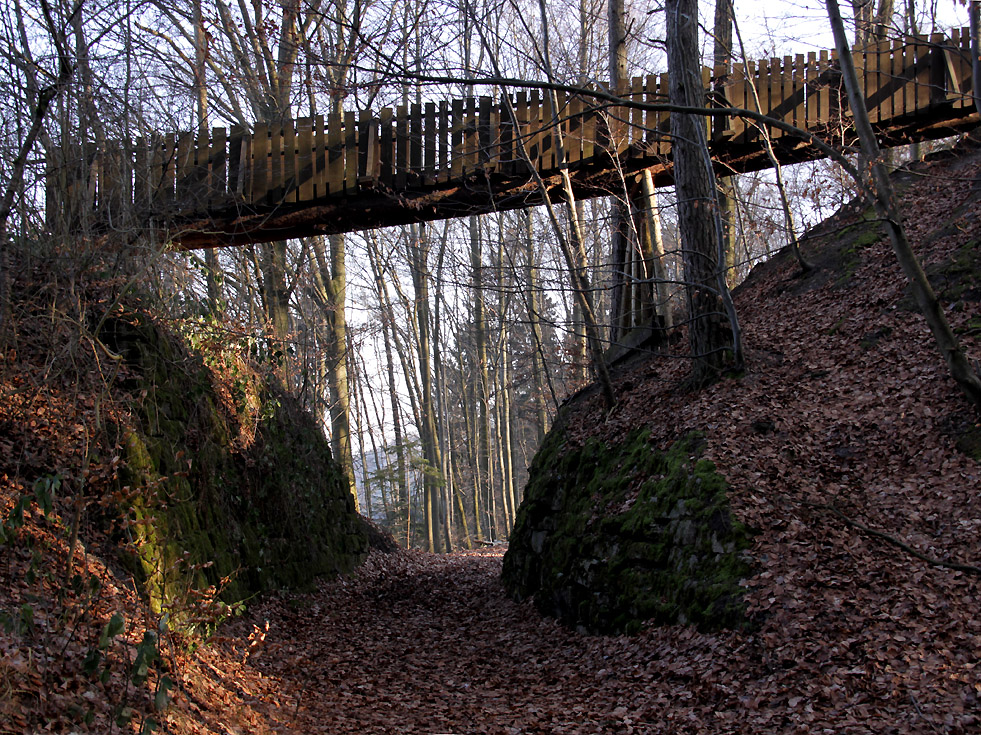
884	200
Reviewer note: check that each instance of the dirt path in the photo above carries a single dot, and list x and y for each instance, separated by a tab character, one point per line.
431	644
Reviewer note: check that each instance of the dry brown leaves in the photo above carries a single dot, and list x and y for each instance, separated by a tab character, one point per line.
845	403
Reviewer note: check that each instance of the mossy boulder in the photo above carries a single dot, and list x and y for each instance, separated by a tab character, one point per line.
224	480
610	538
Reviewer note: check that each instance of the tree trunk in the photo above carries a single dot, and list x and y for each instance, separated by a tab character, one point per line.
331	281
388	326
884	200
534	320
418	248
709	339
485	481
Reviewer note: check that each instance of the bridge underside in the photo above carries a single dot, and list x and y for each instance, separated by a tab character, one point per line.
481	192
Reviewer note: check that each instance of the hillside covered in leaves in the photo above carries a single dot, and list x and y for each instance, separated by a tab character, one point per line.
850	457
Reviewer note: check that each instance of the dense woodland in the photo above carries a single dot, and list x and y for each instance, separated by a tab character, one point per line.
434	355
813	331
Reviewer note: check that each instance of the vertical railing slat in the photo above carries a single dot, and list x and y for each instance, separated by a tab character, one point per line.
350	152
922	83
636	117
218	189
367	145
506	135
415	144
430	152
386	142
275	190
401	147
335	154
549	132
289	162
305	167
443	167
185	169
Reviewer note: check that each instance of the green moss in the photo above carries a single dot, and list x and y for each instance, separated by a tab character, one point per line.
240	494
611	537
854	240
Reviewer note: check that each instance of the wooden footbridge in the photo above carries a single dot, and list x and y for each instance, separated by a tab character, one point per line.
440	160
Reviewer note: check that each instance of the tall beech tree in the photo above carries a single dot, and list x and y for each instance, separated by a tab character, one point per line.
710	335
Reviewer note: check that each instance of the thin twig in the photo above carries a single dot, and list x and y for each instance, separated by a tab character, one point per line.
896	542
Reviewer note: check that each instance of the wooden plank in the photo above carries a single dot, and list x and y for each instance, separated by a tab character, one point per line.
443	137
922	83
219	166
869	88
493	138
858	60
506	152
415	144
761	81
369	166
350	152
533	137
364	144
335	154
636	116
799	91
735	93
430	153
260	164
824	91
721	79
201	185
185	169
276	191
471	144
386	156
236	166
289	162
953	72
484	144
520	130
650	116
318	169
938	70
141	165
457	139
959	70
663	118
401	148
547	138
900	59
305	171
810	100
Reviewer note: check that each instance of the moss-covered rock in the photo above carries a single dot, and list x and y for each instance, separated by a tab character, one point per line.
611	537
223	481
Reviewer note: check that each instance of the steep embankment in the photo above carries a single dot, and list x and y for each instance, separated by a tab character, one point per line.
845	416
130	463
830	422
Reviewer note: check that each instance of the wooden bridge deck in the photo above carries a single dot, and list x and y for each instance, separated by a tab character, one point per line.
448	159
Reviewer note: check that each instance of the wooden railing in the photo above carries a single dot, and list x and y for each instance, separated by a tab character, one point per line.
399	155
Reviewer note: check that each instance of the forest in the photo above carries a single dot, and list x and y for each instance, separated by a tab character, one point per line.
171	376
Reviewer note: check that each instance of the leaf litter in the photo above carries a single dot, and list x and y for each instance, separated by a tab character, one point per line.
845	405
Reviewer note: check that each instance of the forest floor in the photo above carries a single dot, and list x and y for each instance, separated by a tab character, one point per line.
847	448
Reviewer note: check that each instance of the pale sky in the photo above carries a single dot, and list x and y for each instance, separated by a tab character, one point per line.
799	26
